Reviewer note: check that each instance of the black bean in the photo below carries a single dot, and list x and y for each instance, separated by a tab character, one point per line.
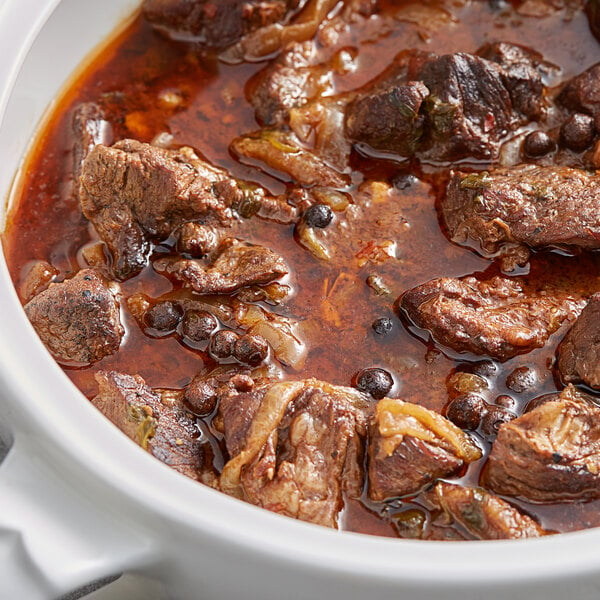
251	349
521	379
201	396
466	411
318	215
494	418
484	368
538	143
578	132
374	381
198	325
382	326
164	316
222	343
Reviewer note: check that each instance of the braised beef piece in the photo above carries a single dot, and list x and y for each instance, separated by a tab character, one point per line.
483	515
215	24
295	447
389	119
236	266
549	454
288	82
90	128
496	318
582	93
449	107
521	75
529	204
157	421
78	319
37	278
579	352
135	193
411	446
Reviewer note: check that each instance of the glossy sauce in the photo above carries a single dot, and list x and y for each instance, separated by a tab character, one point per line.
332	300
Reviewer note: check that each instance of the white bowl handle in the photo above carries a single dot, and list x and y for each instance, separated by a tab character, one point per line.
54	539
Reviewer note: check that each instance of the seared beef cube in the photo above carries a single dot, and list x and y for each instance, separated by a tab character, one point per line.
78	319
469	108
135	193
579	352
411	447
157	421
550	454
236	266
449	107
496	318
289	82
89	129
389	119
582	93
282	151
534	205
521	75
483	515
214	23
295	447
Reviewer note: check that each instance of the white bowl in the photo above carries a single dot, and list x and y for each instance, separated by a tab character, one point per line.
79	501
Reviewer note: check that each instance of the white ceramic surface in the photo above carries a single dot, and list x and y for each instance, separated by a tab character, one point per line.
80	501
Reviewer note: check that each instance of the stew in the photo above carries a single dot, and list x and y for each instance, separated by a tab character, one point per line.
336	258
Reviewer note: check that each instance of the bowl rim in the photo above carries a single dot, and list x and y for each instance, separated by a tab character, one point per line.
46	412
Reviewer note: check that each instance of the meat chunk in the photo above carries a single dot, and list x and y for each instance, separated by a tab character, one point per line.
469	109
529	204
236	266
579	352
78	319
215	24
157	421
582	93
496	318
483	515
411	447
449	107
283	152
295	447
390	119
135	193
289	82
550	454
